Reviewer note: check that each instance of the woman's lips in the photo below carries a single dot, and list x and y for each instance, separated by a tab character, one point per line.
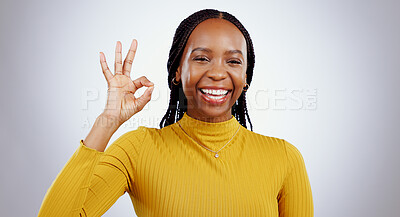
215	96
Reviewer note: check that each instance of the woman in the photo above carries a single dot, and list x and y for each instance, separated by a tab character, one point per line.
203	161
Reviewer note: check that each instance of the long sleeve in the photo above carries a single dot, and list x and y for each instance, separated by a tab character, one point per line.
91	181
295	198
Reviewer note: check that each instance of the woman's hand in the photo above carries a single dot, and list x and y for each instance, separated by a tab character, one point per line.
121	102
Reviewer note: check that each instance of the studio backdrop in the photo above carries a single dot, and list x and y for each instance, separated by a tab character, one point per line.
326	80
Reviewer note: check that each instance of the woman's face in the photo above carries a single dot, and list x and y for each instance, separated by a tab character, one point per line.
213	69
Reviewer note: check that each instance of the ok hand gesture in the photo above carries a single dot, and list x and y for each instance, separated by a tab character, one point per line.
121	102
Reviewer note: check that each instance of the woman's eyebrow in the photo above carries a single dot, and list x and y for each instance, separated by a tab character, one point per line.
233	52
201	49
210	51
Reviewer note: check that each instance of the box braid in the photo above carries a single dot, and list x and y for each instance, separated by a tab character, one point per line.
177	102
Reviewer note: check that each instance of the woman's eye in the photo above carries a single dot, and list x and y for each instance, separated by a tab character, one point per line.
200	59
235	62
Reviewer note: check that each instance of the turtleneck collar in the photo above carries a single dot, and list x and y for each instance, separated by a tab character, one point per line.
212	135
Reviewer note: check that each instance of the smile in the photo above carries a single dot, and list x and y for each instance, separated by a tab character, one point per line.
214	96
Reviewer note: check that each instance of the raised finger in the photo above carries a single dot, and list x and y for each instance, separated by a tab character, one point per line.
142	81
129	58
106	71
145	98
118	58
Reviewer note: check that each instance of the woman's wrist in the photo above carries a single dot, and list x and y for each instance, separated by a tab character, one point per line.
108	121
100	134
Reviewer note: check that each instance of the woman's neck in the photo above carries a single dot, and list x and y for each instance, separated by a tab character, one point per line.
207	118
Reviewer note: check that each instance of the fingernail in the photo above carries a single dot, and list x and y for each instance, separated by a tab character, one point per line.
101	56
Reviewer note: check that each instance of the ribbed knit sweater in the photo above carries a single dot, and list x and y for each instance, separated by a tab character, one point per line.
168	173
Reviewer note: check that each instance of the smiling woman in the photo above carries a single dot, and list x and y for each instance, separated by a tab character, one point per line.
209	27
203	161
213	70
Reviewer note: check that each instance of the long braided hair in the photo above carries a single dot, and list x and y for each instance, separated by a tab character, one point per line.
178	102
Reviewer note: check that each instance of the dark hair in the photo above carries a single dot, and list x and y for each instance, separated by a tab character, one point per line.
178	103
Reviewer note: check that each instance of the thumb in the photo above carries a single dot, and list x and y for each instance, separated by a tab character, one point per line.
145	98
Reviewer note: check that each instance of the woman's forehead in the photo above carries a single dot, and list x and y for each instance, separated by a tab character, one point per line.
217	32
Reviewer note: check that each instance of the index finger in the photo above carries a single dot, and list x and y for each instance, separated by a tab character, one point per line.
106	71
129	58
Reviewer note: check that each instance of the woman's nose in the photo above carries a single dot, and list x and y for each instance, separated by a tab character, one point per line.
217	72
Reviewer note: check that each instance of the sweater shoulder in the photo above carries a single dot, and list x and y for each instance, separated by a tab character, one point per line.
133	136
271	141
270	147
283	149
128	143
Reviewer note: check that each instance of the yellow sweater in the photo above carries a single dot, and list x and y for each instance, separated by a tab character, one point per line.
167	173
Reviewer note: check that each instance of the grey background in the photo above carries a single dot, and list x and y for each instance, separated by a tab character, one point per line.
326	79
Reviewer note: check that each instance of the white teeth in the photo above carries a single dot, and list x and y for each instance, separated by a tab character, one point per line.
216	97
218	92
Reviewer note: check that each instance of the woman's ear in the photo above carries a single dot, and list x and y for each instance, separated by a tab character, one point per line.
178	74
